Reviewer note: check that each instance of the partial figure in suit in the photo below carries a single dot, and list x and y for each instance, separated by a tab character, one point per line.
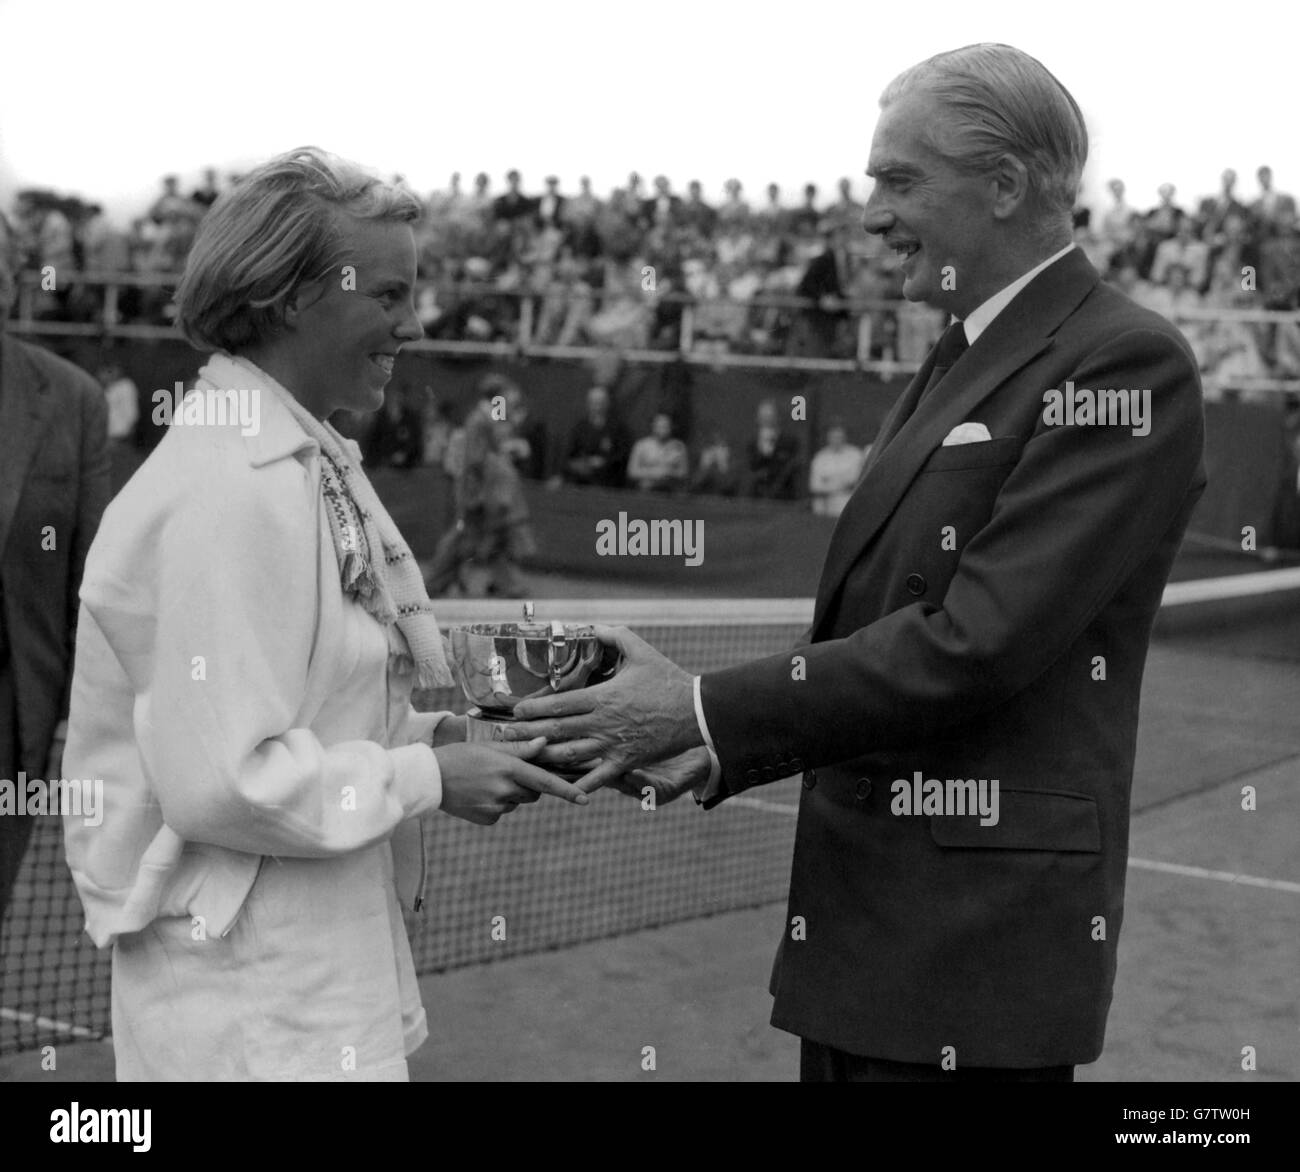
983	617
54	485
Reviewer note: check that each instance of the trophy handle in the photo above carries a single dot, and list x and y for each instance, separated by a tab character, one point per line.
557	655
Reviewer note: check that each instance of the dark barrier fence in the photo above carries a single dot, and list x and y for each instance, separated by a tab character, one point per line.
1251	465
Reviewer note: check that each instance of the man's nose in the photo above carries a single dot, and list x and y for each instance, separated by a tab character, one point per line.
877	219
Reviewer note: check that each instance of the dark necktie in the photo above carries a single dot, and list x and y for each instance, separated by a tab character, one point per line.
951	346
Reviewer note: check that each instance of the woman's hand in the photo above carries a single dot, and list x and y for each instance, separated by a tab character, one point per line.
450	730
482	782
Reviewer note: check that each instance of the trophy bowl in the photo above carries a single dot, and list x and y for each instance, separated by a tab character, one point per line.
499	664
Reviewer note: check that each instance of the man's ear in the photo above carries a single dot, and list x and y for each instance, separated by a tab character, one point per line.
1010	186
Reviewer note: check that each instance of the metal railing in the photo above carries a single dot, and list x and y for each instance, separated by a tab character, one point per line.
108	325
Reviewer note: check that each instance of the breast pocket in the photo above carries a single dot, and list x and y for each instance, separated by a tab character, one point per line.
985	454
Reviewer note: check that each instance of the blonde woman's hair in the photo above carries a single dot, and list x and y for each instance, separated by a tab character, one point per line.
278	228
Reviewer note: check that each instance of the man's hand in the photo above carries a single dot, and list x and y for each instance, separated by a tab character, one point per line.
669	779
450	730
644	714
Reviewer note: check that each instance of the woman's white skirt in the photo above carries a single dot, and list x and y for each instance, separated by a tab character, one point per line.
314	982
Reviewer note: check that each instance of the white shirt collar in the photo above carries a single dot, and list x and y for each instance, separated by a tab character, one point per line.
981	317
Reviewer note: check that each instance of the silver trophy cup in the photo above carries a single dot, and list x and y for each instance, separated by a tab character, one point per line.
499	664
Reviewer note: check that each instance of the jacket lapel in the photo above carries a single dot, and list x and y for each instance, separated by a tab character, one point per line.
1016	336
25	407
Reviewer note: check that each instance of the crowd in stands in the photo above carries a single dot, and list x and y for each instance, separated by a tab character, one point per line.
760	277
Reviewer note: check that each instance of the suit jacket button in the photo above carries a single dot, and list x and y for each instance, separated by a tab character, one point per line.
915	584
768	774
810	779
752	777
863	789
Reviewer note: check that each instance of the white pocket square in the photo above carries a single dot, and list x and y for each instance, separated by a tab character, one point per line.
966	433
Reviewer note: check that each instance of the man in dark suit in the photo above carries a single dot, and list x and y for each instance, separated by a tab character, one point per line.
964	709
772	458
54	485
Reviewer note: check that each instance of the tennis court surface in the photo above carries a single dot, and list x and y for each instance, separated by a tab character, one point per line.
626	928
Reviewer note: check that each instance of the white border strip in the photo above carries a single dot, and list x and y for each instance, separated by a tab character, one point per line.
1231	586
46	1023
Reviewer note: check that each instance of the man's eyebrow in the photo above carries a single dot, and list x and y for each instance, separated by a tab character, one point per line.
891	167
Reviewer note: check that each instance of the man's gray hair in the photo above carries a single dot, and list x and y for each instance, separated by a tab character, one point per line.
1001	101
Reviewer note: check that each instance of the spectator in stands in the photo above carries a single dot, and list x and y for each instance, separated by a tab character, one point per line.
835	472
106	249
1216	209
479	202
716	472
1263	211
550	207
659	462
663	208
845	212
1186	249
55	464
598	446
771	217
205	195
1115	226
695	213
772	458
1164	218
1279	284
805	219
823	284
734	208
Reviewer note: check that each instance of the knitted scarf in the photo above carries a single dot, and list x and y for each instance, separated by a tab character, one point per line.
376	566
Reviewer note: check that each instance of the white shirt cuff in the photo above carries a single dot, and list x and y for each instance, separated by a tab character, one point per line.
715	767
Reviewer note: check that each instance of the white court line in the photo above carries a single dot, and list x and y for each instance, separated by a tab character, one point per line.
1231	586
1140	864
1221	876
47	1023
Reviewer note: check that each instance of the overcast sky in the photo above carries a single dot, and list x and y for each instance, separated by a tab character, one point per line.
101	99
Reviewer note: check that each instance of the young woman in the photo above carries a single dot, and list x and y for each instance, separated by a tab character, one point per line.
252	625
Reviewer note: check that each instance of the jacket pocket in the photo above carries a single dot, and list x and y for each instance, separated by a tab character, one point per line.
984	454
1031	820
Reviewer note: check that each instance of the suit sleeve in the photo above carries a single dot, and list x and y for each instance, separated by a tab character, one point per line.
93	491
1082	509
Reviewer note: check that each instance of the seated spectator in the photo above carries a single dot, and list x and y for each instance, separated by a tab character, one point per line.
1214	210
663	207
716	471
123	400
835	472
598	445
772	457
658	462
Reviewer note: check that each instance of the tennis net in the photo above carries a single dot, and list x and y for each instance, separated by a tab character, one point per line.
548	876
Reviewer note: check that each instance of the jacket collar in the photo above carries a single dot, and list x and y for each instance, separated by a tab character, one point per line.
910	433
276	433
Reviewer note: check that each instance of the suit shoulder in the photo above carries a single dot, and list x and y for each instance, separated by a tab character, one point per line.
1108	315
65	377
